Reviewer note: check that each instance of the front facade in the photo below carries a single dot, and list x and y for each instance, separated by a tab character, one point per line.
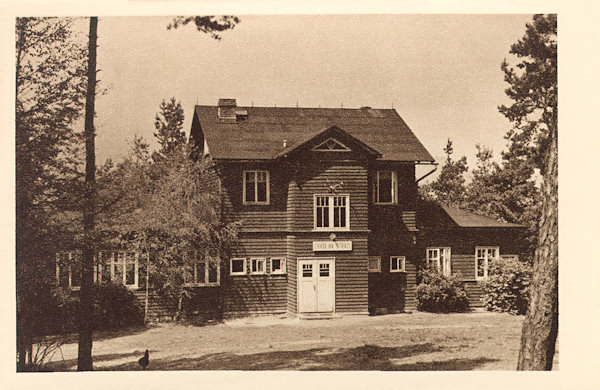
331	220
328	204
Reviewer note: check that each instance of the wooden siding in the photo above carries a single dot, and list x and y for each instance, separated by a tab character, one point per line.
464	240
256	293
158	306
463	266
272	216
309	179
292	287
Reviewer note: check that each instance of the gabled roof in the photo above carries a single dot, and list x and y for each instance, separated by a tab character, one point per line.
434	215
261	133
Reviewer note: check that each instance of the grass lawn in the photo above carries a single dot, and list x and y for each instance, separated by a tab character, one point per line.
399	342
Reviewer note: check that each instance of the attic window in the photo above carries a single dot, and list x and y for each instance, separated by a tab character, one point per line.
255	187
331	145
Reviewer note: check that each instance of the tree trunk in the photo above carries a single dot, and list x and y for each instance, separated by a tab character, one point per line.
84	358
540	328
147	286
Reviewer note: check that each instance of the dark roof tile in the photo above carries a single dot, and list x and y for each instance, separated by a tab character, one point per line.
261	134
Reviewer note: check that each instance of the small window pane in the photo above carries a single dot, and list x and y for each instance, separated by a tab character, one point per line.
237	266
385	187
307	270
480	267
258	266
261	191
200	272
130	274
75	275
213	272
324	270
250	195
275	265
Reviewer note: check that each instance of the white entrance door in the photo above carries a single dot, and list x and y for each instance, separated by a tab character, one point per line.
316	285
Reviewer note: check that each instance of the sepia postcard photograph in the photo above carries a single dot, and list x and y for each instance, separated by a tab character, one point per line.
209	194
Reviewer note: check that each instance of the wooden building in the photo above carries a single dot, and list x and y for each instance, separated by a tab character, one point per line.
331	221
330	217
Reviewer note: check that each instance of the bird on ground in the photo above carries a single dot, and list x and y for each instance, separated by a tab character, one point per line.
144	360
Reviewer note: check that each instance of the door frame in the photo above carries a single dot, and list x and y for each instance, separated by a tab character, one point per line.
299	276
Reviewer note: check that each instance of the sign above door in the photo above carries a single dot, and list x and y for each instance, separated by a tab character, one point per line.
327	246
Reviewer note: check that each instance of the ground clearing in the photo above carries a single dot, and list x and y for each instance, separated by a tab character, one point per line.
399	342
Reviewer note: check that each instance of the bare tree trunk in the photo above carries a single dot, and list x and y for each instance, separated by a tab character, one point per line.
147	285
84	358
540	328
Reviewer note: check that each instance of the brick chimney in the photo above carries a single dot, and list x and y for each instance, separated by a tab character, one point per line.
227	109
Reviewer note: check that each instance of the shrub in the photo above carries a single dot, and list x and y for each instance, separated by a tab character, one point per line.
441	294
507	288
116	307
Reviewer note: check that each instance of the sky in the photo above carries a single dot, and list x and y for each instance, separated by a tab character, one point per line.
440	72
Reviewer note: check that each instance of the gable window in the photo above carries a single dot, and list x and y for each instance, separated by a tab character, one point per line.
439	259
331	145
332	212
484	257
278	265
237	266
397	264
258	266
386	183
374	264
207	272
256	187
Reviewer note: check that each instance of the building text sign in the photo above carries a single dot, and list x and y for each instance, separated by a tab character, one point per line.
320	246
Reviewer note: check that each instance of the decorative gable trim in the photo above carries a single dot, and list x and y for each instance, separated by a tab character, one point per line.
332	133
331	145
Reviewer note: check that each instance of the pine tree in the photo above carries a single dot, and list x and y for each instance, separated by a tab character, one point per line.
169	127
506	192
533	89
449	187
207	24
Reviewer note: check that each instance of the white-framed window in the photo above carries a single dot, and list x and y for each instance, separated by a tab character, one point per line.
256	187
278	265
374	264
332	212
124	268
109	266
484	257
258	266
68	270
207	272
440	260
397	264
385	190
237	266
